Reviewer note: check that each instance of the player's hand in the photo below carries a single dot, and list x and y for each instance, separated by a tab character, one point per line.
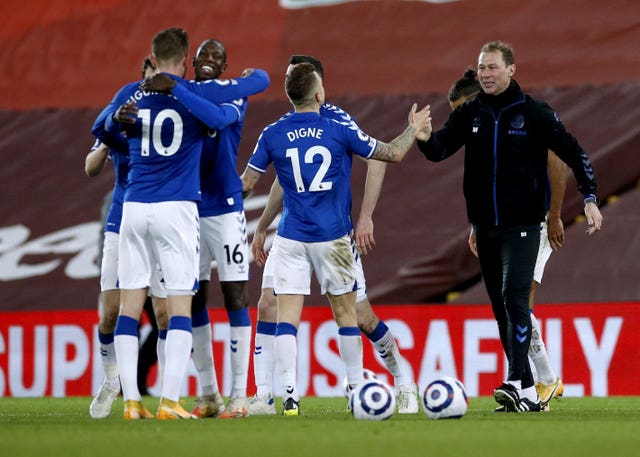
420	120
247	72
365	242
472	242
257	248
161	82
423	135
127	113
594	218
555	232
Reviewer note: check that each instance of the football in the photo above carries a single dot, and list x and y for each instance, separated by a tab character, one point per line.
445	398
366	375
372	400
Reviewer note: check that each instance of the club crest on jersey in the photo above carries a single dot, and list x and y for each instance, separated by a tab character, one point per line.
517	126
518	121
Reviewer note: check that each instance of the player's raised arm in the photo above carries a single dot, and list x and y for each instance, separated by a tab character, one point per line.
400	145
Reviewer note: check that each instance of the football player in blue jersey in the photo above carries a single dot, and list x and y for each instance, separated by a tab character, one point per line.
95	162
368	322
312	158
160	219
222	235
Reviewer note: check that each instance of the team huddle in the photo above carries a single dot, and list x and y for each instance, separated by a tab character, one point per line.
178	204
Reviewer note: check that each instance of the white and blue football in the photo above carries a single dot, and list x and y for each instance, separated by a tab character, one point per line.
366	375
445	398
372	399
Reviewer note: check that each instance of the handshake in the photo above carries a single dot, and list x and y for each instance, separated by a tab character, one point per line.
420	121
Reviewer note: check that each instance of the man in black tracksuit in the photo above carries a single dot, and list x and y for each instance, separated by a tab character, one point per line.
506	135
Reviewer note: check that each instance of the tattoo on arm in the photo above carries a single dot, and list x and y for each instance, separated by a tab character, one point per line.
397	148
249	179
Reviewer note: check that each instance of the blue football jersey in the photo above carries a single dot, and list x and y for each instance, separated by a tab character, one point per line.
312	155
120	162
334	112
221	184
165	143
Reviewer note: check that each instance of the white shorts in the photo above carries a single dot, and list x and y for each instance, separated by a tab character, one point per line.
109	267
156	285
332	261
224	238
544	252
267	275
164	234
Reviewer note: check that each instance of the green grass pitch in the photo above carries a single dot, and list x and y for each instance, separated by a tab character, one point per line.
582	427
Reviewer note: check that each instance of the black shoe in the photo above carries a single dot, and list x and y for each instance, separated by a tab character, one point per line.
526	406
507	396
500	409
291	407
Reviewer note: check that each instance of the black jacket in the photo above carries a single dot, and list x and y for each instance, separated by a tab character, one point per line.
506	138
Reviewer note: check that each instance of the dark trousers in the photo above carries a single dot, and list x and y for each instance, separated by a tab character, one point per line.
507	261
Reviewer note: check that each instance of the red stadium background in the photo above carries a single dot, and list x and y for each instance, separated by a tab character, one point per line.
63	60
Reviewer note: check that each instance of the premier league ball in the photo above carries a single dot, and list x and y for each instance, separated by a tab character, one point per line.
366	375
372	400
445	398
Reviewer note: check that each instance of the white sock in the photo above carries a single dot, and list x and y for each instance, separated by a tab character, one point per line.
390	355
286	349
264	363
538	354
350	347
178	350
240	338
202	357
109	363
162	357
126	349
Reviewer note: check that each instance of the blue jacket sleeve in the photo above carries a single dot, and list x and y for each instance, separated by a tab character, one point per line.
226	90
214	116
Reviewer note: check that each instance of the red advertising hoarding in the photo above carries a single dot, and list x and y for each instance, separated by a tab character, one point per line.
592	347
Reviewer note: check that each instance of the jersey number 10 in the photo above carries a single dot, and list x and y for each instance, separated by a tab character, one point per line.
152	133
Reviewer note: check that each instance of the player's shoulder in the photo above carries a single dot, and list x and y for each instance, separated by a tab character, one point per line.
540	109
276	125
332	111
129	92
222	82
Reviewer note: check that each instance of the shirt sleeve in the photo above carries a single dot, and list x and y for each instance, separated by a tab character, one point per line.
227	90
109	131
565	145
359	142
214	116
260	159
